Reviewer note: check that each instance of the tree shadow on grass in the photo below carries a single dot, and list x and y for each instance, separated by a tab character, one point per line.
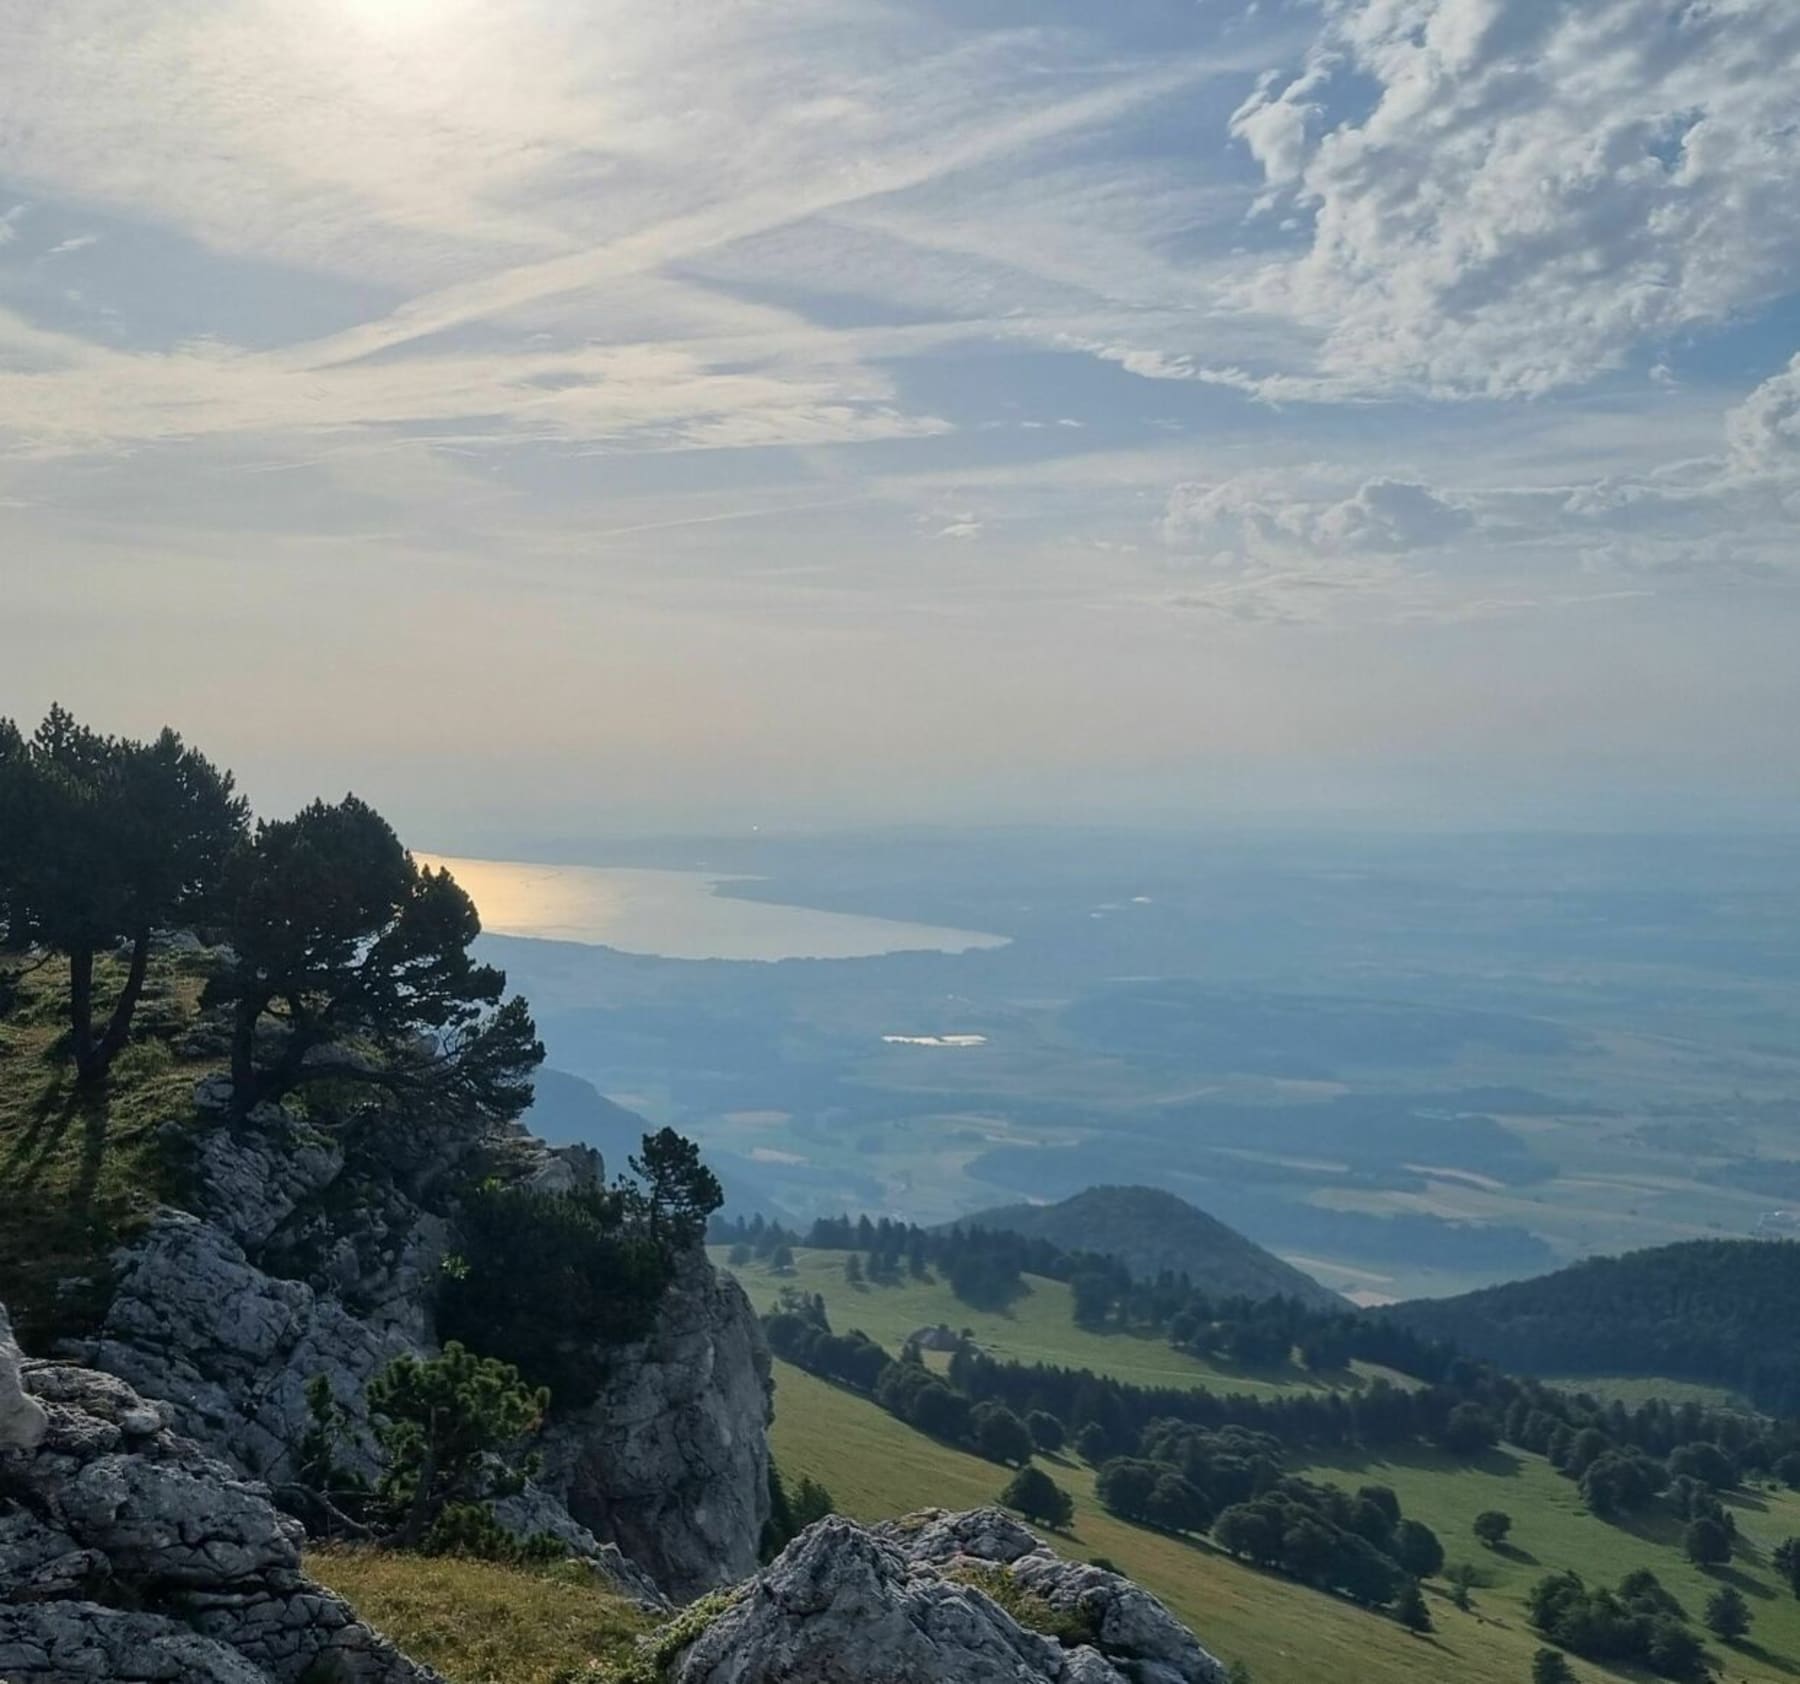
50	1116
1512	1552
1496	1463
95	1115
1740	1580
1652	1526
1768	1657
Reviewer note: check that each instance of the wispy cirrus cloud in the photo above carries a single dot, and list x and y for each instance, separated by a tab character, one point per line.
929	326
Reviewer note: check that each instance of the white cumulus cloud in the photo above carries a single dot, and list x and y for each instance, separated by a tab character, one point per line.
1506	198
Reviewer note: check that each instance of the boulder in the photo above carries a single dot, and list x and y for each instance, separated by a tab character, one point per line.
909	1603
1130	1626
127	1553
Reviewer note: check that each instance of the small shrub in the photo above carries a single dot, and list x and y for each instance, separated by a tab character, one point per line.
1069	1627
451	1427
650	1661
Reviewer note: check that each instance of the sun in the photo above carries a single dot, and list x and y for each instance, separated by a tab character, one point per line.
394	15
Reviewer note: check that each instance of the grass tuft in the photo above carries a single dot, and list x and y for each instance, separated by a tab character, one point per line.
1066	1626
479	1622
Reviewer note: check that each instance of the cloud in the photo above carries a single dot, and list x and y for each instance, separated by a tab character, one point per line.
513	181
1763	432
75	243
1717	521
1508	199
1266	519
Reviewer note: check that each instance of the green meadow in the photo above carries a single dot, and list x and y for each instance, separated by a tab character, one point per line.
876	1467
1038	1327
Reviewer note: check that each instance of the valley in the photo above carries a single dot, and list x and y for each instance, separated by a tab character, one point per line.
1419	1066
876	1467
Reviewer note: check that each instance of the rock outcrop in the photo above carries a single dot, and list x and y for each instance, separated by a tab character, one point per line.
127	1553
298	1258
670	1462
938	1598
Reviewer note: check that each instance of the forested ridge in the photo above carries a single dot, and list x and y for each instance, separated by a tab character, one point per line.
1726	1312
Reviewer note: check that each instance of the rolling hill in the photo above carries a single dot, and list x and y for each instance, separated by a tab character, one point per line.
1286	1633
1717	1312
1149	1230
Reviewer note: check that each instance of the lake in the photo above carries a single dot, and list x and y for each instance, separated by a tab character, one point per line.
679	915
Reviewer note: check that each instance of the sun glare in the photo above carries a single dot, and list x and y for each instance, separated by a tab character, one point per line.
394	15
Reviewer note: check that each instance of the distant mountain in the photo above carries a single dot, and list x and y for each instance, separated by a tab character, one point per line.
1725	1312
570	1111
1149	1230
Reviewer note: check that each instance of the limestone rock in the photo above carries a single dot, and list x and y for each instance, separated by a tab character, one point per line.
670	1461
888	1606
228	1348
127	1553
301	1258
1135	1631
22	1419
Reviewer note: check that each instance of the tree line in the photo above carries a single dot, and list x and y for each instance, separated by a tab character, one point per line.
1720	1312
1623	1460
984	1267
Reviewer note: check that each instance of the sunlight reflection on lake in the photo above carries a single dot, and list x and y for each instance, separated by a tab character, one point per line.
679	915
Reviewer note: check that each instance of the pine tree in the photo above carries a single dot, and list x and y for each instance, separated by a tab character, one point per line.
103	842
451	1428
353	965
812	1503
680	1191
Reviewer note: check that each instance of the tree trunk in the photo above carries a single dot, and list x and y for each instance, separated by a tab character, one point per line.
118	1028
243	1058
418	1511
81	1009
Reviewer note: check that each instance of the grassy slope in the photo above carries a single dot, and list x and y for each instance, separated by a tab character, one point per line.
479	1623
1037	1328
1551	1530
80	1170
875	1467
1632	1390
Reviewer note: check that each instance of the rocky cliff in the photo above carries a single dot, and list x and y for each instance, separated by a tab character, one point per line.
128	1554
305	1252
670	1462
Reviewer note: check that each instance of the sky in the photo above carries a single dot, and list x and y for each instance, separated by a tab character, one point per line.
563	417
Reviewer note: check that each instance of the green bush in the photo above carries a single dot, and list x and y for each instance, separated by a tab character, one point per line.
452	1429
548	1282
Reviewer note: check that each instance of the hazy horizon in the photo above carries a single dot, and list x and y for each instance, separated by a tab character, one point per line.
555	420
